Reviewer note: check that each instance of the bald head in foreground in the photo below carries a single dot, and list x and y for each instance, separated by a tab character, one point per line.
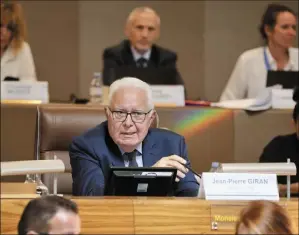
142	29
130	114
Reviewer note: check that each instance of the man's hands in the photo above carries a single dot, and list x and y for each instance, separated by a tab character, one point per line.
176	162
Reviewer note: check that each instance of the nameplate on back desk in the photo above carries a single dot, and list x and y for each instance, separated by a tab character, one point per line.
25	90
282	99
172	95
238	186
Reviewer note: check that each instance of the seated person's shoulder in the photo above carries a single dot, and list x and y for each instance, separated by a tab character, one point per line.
25	45
96	132
280	143
283	139
25	49
294	53
251	54
117	48
162	133
166	53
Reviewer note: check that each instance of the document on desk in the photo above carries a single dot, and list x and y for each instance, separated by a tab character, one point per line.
270	97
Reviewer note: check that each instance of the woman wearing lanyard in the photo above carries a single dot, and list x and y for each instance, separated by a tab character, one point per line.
278	29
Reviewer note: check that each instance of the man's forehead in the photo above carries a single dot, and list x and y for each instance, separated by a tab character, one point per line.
130	97
145	17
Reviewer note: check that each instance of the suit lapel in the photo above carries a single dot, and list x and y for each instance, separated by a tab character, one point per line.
150	151
127	55
155	57
114	152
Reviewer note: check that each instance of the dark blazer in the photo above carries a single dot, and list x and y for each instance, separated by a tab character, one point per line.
121	55
93	153
279	149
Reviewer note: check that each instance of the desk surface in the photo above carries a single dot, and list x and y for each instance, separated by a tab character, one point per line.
140	215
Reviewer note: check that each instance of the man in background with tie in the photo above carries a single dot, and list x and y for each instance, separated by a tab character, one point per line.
142	30
126	140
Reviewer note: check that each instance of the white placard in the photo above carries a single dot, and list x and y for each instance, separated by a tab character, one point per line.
25	90
238	186
172	95
282	99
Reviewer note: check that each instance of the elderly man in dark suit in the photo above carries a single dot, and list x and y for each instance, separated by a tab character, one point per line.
126	139
142	30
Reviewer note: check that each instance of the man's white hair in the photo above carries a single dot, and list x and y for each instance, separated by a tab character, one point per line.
128	82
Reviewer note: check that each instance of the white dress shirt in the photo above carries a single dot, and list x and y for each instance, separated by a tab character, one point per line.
20	65
138	156
249	76
137	55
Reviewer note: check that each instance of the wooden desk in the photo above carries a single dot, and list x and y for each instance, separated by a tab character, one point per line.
112	215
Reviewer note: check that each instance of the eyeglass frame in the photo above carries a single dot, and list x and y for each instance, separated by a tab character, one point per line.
129	113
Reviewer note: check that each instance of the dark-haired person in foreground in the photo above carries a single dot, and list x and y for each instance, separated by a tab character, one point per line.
50	215
278	29
283	147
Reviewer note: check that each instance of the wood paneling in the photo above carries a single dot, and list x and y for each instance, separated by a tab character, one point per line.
114	215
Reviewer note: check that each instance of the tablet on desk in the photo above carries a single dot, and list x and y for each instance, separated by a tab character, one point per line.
288	79
141	181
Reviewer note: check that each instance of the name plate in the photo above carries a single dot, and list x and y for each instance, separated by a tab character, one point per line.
18	91
282	99
238	186
173	95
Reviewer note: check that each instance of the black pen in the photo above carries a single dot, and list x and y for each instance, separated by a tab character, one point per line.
189	168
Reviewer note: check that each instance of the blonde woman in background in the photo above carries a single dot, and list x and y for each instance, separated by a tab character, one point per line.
16	57
264	217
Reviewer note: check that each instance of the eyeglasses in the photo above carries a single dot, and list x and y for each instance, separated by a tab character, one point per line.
120	116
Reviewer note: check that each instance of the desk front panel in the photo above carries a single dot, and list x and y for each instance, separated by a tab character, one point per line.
129	215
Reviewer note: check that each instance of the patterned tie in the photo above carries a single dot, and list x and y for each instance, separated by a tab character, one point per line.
132	159
141	63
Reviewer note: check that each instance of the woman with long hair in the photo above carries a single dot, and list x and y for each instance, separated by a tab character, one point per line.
16	57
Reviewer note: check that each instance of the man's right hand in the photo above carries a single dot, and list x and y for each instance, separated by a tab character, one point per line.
175	162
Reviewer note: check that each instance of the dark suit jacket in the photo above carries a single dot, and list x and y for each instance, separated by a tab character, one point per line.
121	55
94	152
280	149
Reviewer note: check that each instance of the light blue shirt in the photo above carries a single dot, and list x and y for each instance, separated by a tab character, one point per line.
138	156
137	55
